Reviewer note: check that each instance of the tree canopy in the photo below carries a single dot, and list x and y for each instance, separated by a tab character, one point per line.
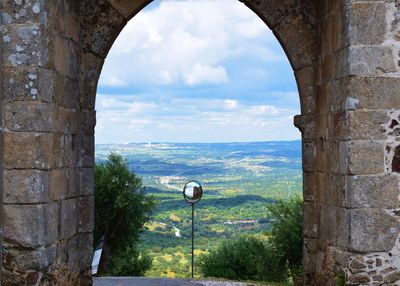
121	210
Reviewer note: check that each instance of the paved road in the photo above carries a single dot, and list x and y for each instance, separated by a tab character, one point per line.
142	282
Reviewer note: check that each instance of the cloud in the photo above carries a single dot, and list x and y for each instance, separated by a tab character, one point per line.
206	74
187	43
191	120
196	71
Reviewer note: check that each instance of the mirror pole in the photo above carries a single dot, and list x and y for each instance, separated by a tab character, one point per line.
192	240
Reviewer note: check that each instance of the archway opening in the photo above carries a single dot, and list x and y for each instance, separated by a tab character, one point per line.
206	100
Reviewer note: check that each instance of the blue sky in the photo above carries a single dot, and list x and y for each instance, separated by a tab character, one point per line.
196	71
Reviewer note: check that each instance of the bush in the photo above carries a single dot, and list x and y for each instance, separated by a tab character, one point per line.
247	258
286	235
244	258
121	209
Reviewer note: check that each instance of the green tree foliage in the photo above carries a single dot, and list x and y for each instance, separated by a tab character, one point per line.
242	258
286	236
247	258
121	209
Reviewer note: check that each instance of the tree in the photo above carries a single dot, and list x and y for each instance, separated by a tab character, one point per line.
121	209
286	235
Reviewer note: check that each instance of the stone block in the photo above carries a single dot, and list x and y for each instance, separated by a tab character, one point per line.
37	151
128	8
86	214
69	121
80	252
88	121
102	25
28	84
311	219
31	225
327	224
25	186
90	70
58	187
373	92
361	157
364	125
69	218
310	188
66	55
306	124
21	12
38	259
86	181
367	23
372	230
379	191
66	23
305	79
24	45
309	156
66	91
73	179
83	149
297	39
25	116
370	60
63	150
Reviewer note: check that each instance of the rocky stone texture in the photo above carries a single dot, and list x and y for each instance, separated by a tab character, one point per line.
345	55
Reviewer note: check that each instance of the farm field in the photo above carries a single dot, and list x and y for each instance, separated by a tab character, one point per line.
239	181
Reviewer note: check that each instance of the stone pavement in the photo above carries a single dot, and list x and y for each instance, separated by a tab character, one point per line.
139	281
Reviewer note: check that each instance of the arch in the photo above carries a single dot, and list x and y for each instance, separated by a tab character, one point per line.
348	79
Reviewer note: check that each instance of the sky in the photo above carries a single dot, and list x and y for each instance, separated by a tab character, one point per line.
196	71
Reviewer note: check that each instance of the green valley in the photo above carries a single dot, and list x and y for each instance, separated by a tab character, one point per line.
239	181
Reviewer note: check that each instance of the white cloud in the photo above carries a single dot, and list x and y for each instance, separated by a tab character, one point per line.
206	74
186	42
192	119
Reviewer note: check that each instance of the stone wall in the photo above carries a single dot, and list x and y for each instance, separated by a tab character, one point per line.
344	54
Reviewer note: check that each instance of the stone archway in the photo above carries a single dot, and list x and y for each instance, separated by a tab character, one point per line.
345	58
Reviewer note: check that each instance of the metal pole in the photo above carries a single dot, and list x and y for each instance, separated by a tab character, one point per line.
192	240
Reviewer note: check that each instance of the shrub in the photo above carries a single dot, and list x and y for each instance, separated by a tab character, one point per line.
243	258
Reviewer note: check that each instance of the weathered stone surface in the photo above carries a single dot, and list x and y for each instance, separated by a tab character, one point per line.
309	156
86	214
128	8
28	116
25	186
367	23
379	191
370	60
28	84
37	151
38	259
374	92
305	79
20	227
66	57
102	25
364	125
69	218
24	45
58	184
366	229
362	157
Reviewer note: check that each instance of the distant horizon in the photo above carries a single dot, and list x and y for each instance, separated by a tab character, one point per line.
227	142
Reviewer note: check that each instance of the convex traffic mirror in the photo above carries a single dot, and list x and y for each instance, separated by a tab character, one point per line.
192	192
